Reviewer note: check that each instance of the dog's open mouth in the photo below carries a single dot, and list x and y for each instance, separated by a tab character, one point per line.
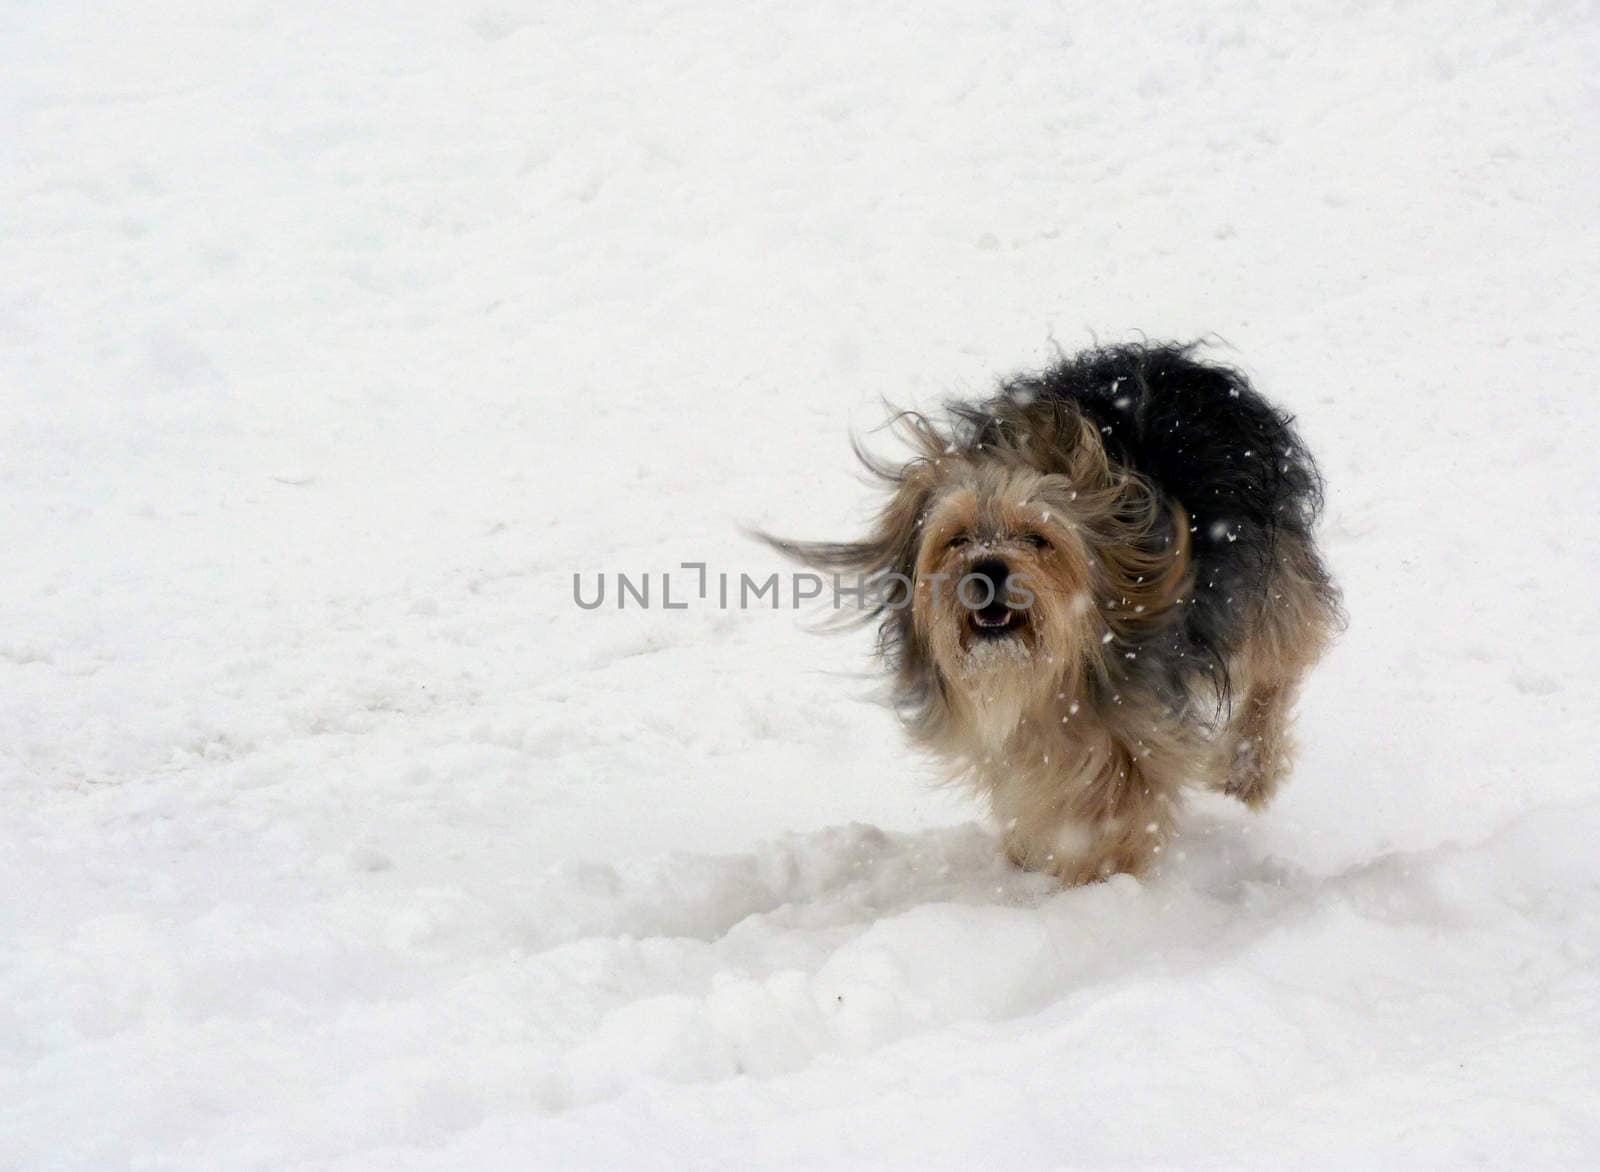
996	621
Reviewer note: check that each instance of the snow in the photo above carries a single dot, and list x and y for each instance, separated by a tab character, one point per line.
337	836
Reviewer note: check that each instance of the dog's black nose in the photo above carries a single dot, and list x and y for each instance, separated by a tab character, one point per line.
995	571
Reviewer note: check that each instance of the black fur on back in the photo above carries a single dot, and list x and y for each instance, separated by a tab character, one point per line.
1204	438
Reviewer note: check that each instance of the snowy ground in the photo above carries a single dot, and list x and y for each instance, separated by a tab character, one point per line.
331	345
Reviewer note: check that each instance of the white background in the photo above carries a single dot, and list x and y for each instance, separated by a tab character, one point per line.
335	338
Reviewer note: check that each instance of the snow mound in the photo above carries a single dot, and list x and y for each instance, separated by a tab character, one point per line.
1385	1008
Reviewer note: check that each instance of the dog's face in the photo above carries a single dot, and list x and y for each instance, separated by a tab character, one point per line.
1003	584
1009	562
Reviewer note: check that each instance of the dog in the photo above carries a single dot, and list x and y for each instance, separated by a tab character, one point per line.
1094	589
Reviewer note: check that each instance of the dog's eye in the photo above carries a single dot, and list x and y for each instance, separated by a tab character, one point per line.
958	541
1036	540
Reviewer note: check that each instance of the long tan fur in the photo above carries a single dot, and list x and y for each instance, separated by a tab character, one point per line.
1084	775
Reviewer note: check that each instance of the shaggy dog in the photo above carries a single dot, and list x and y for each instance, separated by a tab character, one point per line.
1095	588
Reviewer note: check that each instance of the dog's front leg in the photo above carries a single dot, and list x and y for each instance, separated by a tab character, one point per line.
1086	825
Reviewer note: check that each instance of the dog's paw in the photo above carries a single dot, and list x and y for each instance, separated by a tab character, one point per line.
1093	861
1254	773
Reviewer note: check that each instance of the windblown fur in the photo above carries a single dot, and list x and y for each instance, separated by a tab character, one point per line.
1147	518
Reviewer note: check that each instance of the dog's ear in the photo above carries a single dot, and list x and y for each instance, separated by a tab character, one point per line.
1141	553
1146	566
887	556
1138	540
